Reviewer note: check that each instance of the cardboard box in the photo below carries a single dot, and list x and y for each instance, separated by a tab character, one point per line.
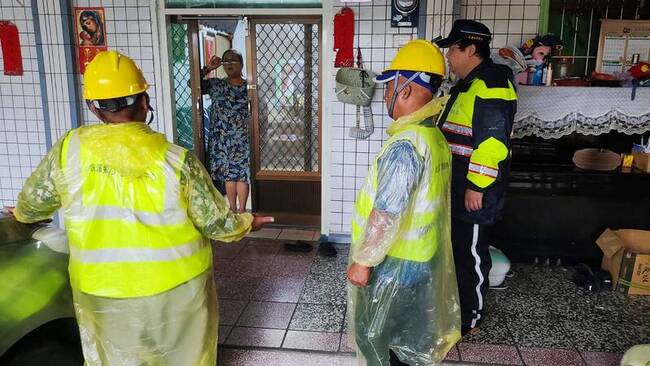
626	255
642	161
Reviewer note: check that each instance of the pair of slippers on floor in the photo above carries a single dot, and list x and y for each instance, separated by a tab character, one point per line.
326	249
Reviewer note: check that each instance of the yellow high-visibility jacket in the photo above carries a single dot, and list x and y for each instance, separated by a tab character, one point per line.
477	124
138	210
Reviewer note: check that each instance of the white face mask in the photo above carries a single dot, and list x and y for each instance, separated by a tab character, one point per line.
398	89
152	113
128	101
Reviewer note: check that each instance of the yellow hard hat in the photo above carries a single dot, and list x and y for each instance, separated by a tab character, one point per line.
112	75
419	55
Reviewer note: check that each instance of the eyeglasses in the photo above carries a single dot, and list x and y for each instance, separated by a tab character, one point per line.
229	62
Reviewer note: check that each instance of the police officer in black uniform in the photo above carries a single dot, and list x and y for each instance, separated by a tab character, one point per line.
477	123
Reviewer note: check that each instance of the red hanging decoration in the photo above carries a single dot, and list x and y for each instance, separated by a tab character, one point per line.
90	28
10	42
344	38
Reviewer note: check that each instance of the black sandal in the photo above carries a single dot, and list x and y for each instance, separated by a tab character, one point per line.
326	249
299	246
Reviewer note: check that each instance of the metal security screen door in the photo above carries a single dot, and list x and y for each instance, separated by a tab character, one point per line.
185	82
286	111
182	91
287	108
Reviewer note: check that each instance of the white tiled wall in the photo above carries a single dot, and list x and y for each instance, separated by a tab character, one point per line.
22	137
130	31
511	21
351	158
58	71
439	18
26	123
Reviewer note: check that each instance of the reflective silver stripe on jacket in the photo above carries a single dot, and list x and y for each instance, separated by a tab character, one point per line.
462	150
417	233
483	170
135	254
170	215
80	212
457	129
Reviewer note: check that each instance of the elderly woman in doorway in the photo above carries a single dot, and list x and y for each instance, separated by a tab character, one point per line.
228	147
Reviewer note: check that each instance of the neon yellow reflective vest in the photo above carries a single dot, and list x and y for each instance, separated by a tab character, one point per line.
419	233
128	229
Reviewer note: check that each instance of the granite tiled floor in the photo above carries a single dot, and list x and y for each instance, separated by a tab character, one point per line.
287	308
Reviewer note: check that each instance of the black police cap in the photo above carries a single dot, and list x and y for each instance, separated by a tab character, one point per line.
466	29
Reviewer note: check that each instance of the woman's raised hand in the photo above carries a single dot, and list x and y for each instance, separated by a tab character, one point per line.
214	62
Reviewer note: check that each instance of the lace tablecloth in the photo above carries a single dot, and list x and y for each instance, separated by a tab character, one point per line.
553	112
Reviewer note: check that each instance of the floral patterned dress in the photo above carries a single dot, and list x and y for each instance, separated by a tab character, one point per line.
228	146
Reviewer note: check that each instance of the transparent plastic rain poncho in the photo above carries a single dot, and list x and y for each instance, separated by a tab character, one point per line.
134	318
410	307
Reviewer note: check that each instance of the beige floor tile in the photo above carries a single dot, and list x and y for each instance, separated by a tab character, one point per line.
265	233
293	234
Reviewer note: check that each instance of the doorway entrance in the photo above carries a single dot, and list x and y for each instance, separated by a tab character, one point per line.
282	69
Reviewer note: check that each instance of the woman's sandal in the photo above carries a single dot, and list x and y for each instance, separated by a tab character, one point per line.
326	249
299	246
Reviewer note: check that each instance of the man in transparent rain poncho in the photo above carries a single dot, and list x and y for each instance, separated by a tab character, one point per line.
139	213
404	299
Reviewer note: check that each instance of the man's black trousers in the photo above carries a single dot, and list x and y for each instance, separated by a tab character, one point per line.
473	263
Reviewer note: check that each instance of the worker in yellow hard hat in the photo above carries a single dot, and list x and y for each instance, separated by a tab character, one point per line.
403	302
139	213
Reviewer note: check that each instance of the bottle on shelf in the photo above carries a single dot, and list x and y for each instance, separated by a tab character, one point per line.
549	74
538	75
